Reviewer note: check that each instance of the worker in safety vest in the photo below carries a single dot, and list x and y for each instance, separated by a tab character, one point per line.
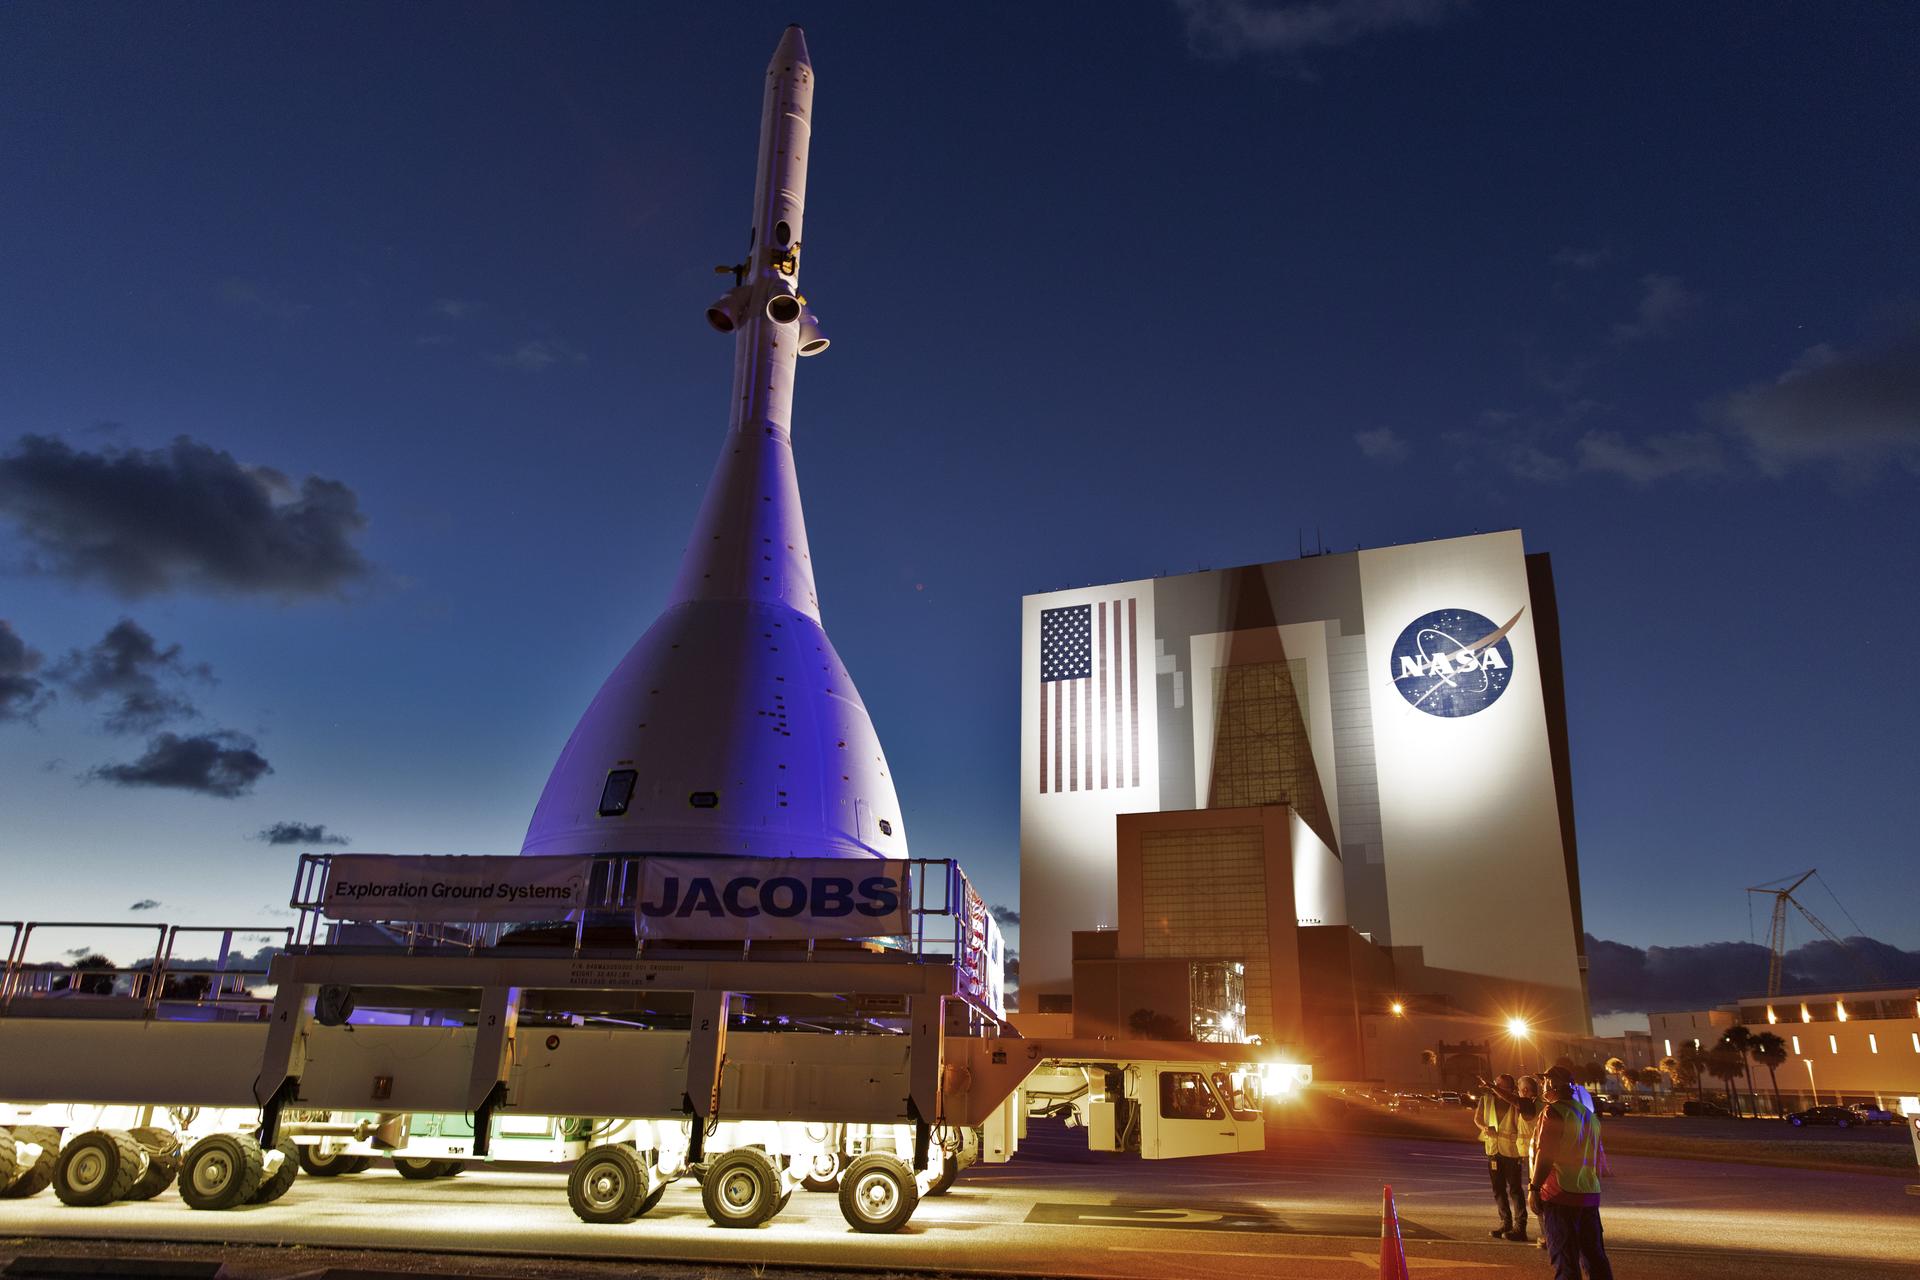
1504	1126
1565	1186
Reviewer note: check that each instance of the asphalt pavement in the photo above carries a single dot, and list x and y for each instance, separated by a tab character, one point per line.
1307	1207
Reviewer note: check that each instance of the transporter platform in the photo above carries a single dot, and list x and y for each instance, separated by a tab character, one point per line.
758	1025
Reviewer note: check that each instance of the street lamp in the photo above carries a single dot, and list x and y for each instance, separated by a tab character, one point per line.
1397	1009
1517	1030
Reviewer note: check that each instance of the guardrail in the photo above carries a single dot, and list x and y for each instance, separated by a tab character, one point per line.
947	921
140	987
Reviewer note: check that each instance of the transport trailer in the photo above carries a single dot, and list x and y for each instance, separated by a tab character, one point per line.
758	1026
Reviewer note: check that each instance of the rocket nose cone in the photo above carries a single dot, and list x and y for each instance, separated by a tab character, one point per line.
791	51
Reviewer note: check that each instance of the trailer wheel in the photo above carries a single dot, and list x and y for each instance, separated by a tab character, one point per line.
652	1199
878	1194
742	1188
360	1165
451	1168
418	1170
279	1167
32	1177
98	1167
821	1171
9	1161
221	1170
609	1184
320	1164
163	1161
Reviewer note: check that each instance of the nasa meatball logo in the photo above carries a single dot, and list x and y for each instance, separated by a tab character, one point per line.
1453	662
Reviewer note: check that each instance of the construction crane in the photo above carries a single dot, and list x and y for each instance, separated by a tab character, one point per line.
1777	931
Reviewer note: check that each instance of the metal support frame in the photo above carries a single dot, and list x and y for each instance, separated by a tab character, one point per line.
707	1053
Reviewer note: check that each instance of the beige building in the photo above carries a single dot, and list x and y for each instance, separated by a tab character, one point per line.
1841	1045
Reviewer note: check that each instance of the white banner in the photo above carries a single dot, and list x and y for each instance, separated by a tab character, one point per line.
773	898
464	889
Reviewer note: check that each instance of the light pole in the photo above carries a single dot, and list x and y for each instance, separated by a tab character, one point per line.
1810	1082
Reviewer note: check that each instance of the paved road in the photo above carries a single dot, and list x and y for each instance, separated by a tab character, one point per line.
1308	1207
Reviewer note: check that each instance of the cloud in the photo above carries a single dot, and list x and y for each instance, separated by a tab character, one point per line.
1656	457
537	355
1234	28
249	298
300	833
22	696
149	521
1858	409
1005	915
223	764
127	667
145	904
1383	444
1625	979
1664	302
453	308
1583	259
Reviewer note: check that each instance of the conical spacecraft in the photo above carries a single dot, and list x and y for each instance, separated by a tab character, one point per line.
732	726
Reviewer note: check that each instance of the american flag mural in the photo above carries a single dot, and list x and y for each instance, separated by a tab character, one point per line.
1090	696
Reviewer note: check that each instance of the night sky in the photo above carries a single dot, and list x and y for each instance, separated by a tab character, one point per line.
356	401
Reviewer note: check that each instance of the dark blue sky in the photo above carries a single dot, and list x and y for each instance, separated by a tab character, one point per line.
1114	292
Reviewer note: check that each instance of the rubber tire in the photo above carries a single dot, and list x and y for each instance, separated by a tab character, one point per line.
337	1165
609	1184
38	1176
813	1182
163	1161
360	1164
240	1155
451	1168
9	1159
737	1170
417	1170
949	1170
275	1184
1795	1121
1843	1124
878	1219
652	1199
114	1159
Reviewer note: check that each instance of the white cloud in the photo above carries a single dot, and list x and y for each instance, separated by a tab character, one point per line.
1383	444
1233	28
537	355
1583	259
1653	458
1859	410
1664	301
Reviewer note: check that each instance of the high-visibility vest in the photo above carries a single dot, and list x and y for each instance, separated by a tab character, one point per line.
1486	1115
1576	1165
1523	1127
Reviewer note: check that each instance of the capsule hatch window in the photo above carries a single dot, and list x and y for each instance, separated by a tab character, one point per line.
618	793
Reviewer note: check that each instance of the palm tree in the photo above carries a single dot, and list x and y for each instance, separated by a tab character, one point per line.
1428	1058
1693	1065
1740	1041
1725	1063
1770	1051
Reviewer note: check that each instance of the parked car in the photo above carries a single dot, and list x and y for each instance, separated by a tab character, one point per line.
1868	1113
1609	1104
1452	1098
1698	1107
1838	1117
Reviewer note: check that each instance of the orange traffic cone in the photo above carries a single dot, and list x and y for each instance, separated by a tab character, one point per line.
1393	1255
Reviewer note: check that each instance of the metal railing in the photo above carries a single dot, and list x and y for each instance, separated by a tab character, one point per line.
936	888
948	922
143	985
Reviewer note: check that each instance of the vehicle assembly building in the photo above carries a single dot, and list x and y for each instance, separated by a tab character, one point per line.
1344	778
